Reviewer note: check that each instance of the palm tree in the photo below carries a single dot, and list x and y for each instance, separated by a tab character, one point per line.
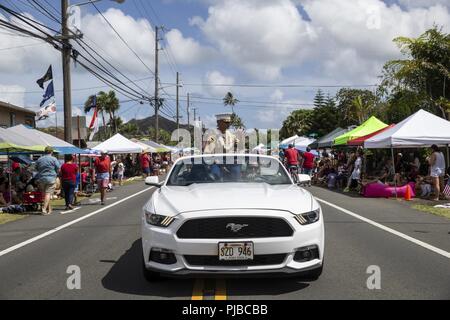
100	108
106	102
230	100
111	105
361	109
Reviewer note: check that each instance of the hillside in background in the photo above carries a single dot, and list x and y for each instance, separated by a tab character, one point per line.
164	124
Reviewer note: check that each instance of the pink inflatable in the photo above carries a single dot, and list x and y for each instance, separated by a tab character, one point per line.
379	190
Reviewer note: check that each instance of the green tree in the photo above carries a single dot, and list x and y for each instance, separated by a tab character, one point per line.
129	130
106	103
236	121
423	74
298	122
319	99
355	105
111	105
324	117
230	100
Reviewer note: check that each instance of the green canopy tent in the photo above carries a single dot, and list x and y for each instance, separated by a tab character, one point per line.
370	126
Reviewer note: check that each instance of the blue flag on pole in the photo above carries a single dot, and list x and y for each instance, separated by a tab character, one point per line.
49	93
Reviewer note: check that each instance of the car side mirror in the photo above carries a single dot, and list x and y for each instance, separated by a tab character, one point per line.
153	181
304	180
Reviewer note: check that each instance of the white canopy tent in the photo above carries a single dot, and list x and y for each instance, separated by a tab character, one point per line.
298	142
422	129
119	144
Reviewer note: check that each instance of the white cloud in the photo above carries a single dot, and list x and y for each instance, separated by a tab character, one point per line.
277	95
214	78
259	36
187	51
23	54
12	94
347	40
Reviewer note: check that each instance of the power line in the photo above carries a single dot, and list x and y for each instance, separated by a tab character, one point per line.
75	89
75	55
23	46
121	38
274	85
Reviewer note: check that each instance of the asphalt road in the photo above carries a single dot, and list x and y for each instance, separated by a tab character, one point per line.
414	264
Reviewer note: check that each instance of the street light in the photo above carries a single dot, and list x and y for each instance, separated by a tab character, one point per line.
66	53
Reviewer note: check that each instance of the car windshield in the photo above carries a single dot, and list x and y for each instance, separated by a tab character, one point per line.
228	169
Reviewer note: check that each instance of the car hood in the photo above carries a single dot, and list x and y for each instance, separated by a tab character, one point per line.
171	201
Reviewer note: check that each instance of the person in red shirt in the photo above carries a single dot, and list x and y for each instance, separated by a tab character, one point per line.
102	167
307	162
145	164
68	173
291	157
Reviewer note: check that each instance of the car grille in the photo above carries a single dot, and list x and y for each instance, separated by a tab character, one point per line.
258	260
219	228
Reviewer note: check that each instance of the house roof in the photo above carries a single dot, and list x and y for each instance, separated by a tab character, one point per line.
16	108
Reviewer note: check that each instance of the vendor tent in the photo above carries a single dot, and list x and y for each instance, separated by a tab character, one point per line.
14	142
119	144
327	140
44	139
370	126
172	149
360	141
300	143
157	147
422	129
145	147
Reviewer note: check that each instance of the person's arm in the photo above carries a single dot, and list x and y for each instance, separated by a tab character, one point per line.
433	159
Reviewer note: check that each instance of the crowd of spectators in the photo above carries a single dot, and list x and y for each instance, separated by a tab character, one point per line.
354	170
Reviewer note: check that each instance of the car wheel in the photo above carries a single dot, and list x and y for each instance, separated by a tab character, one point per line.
149	275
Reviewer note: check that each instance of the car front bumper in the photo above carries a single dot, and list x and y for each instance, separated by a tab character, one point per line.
166	239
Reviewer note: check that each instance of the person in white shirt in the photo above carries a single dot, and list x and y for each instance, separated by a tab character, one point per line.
437	170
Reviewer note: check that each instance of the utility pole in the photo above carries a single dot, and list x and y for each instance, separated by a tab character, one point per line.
67	86
195	114
156	85
178	101
188	122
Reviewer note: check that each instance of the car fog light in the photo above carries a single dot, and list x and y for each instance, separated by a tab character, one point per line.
162	256
306	254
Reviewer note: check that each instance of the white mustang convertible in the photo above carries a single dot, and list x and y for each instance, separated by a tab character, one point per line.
231	215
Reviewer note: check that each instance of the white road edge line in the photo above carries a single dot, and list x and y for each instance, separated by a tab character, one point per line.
387	229
64	226
70	211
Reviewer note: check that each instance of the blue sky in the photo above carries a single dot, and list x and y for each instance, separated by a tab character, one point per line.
304	42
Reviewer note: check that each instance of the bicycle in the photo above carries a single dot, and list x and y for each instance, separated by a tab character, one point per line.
293	171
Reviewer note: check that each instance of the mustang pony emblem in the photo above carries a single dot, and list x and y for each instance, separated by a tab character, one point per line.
236	227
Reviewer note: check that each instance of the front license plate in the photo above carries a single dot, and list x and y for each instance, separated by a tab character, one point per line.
235	251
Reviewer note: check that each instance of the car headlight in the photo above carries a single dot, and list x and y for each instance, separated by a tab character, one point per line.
158	220
308	217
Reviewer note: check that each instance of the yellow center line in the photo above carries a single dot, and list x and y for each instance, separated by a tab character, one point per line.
197	293
221	290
